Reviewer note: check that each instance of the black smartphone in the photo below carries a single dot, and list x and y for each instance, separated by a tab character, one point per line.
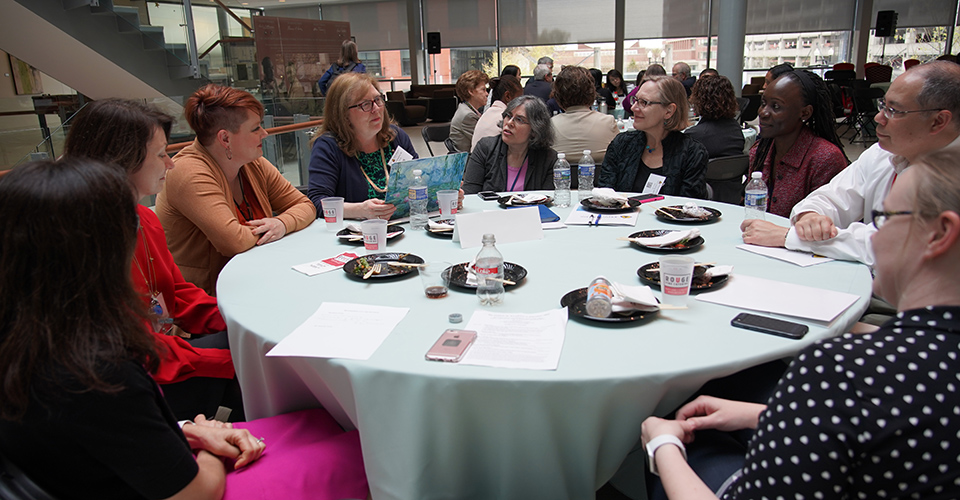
646	198
772	326
488	195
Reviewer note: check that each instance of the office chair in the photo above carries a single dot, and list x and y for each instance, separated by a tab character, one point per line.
435	133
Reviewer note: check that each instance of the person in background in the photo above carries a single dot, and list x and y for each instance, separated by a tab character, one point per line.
508	70
651	71
519	158
538	85
349	62
197	374
798	150
472	91
549	62
864	415
615	83
502	91
657	149
715	101
601	91
776	72
76	365
707	72
920	113
579	127
224	197
350	153
681	72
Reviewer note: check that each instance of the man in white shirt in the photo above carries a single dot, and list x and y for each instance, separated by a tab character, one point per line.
921	114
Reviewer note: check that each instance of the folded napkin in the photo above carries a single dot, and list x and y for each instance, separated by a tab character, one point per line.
526	199
440	226
353	227
693	210
633	298
608	197
355	232
717	271
668	238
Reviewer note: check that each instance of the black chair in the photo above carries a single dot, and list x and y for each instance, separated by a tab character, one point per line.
435	133
451	147
742	103
407	115
15	485
749	112
864	109
725	178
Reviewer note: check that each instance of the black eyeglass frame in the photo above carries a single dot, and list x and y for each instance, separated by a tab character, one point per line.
367	105
880	216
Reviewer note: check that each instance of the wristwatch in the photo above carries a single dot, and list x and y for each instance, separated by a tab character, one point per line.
659	441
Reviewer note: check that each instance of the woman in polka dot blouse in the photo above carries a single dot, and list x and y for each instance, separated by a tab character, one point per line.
859	416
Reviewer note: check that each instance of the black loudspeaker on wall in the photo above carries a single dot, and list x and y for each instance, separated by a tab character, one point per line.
433	42
886	23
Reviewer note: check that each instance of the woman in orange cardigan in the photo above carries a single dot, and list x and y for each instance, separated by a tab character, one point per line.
224	197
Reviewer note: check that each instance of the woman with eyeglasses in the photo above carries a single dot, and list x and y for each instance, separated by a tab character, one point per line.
224	197
656	152
798	149
352	148
518	159
870	415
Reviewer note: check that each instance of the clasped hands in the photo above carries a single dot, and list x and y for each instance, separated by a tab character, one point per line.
222	440
810	226
269	229
705	412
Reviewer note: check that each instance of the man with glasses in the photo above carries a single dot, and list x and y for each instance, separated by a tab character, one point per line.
920	113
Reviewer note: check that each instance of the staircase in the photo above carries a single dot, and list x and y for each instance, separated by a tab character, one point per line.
115	33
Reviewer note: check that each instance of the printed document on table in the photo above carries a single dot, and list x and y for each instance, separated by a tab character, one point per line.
515	340
802	259
758	294
339	330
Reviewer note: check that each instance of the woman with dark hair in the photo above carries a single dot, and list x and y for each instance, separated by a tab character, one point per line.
615	83
502	91
197	375
520	158
714	100
349	156
579	127
76	365
511	70
657	148
472	91
222	197
798	150
776	72
602	91
349	62
644	75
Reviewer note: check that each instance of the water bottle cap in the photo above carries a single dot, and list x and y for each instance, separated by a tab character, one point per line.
417	172
489	237
455	318
586	151
756	175
561	156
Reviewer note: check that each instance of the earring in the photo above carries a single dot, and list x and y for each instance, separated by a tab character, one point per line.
229	154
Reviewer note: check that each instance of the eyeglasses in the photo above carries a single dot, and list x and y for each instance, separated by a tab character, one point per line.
891	113
643	103
367	105
880	217
516	118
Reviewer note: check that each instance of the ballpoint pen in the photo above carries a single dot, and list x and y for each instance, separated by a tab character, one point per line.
597	222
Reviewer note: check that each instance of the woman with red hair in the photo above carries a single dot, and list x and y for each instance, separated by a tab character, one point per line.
222	197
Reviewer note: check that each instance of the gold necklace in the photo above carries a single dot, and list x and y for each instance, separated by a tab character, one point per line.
386	171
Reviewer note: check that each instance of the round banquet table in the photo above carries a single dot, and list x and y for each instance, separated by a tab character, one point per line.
439	430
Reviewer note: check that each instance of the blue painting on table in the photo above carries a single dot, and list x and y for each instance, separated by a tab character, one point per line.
439	173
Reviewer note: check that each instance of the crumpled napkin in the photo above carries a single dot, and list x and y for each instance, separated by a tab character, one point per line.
633	298
608	197
692	209
526	199
716	271
668	238
439	226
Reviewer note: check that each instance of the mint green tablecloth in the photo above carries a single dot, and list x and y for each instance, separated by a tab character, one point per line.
435	430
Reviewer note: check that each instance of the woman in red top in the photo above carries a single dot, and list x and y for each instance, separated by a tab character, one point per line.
197	376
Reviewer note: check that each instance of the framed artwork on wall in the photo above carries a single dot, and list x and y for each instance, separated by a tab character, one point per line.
26	78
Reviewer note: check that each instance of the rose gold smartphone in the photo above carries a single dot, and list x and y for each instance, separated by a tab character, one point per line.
451	346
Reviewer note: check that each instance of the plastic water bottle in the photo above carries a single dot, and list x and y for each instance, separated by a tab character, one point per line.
417	194
561	181
489	264
602	107
586	169
599	298
755	197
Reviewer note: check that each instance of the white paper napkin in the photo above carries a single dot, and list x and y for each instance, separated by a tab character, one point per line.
717	271
692	209
526	199
437	226
668	238
633	298
608	197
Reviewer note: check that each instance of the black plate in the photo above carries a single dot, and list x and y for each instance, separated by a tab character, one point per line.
652	233
592	207
504	199
457	274
440	234
653	278
395	229
677	215
389	271
576	303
